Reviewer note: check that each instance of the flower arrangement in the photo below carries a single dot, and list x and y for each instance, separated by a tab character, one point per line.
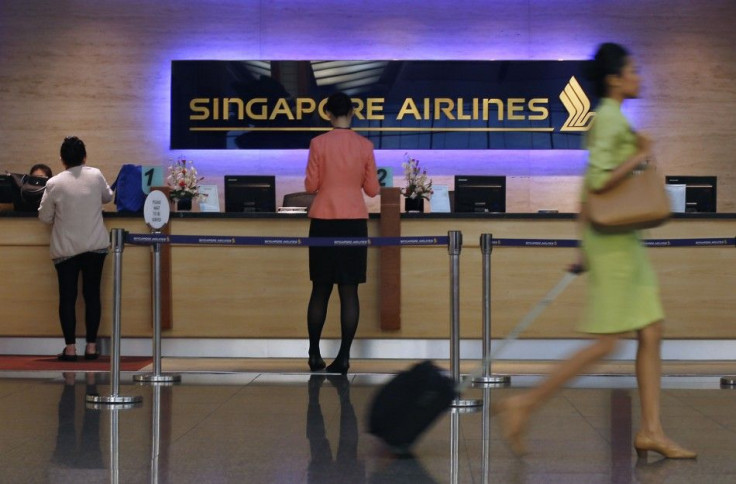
183	180
418	184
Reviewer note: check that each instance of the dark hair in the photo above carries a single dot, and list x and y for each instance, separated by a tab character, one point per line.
73	151
44	168
339	104
609	59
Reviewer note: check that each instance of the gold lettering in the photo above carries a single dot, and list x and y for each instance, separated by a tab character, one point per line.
263	114
460	106
475	108
499	105
226	107
282	107
409	107
216	108
199	105
321	109
358	110
375	108
515	104
427	109
304	105
443	105
542	110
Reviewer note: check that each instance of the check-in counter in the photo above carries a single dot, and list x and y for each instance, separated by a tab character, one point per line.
262	292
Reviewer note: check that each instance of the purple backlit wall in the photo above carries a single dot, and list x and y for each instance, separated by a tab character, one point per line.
101	70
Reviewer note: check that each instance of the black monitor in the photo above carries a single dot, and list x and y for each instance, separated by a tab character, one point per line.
700	192
250	193
6	189
480	193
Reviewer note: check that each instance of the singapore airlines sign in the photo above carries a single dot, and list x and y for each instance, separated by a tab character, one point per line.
397	104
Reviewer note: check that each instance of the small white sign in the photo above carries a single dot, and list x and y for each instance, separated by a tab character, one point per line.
156	210
210	201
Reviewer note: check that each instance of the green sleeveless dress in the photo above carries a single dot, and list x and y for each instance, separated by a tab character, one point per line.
623	292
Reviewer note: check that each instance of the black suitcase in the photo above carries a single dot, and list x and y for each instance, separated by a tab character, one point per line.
408	404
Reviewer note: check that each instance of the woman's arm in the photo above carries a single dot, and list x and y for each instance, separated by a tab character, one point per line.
623	170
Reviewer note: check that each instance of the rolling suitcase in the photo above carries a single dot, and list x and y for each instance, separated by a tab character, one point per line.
408	404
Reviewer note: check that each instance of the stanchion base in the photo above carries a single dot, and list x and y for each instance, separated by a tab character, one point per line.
463	403
728	381
151	378
116	400
492	380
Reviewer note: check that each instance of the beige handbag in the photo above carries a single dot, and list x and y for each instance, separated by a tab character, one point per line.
639	202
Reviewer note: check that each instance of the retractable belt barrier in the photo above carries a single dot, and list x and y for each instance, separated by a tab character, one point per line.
149	239
453	241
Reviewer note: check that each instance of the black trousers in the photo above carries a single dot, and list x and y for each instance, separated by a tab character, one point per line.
90	265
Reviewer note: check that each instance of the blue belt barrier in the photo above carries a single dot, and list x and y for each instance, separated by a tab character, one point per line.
148	239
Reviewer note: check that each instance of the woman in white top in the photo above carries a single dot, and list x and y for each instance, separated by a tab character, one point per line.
72	204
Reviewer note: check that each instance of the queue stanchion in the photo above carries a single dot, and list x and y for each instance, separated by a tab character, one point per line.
488	378
454	247
729	381
117	237
156	213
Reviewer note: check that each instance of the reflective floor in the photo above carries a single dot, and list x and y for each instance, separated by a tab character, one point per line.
300	428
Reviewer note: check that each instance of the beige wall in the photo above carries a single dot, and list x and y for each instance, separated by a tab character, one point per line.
101	70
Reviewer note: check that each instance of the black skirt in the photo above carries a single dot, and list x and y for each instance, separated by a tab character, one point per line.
338	265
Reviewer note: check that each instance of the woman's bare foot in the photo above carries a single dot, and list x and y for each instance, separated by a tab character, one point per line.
513	413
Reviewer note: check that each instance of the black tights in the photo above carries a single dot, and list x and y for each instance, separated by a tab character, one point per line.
317	313
90	265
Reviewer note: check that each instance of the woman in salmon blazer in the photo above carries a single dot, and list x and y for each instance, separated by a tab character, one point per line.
340	169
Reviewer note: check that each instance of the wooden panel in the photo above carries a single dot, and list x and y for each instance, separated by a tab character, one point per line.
390	261
252	292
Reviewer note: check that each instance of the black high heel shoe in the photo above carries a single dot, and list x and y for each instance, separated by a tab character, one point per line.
316	363
338	366
64	357
91	356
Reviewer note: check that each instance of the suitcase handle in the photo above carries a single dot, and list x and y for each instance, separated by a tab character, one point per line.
523	324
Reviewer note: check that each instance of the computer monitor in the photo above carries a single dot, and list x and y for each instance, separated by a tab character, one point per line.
6	189
250	193
480	193
700	192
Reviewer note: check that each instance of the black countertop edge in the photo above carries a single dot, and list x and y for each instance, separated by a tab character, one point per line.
407	216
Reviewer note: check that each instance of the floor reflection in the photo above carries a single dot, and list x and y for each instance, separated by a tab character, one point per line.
345	466
77	447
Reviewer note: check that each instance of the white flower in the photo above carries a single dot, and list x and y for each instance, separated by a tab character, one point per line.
418	184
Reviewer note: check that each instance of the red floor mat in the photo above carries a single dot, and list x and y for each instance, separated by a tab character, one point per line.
50	363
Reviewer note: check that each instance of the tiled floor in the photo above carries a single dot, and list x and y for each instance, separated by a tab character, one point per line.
298	428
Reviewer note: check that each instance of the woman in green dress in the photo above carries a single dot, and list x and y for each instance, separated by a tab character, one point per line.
623	293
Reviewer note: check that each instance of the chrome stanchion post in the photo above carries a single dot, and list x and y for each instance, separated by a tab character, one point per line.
454	446
486	248
117	237
155	432
729	380
455	242
156	376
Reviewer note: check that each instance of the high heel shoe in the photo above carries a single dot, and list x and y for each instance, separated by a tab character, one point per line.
667	448
91	356
512	421
338	366
316	363
64	357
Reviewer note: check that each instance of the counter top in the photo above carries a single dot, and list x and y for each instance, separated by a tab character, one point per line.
508	215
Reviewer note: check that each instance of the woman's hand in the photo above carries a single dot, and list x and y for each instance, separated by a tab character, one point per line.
579	266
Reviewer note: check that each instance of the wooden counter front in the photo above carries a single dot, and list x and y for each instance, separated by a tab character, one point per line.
262	292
